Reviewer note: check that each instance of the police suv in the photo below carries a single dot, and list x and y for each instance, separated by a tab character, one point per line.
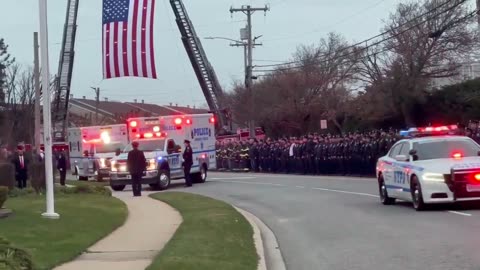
431	165
161	139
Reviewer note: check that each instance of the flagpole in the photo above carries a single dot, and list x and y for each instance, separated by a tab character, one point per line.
47	121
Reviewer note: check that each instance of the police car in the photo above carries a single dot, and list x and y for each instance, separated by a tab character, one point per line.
431	165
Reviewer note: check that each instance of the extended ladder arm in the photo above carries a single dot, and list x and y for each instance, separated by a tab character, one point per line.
65	71
203	69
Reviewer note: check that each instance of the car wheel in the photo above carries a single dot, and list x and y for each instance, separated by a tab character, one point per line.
201	177
118	188
164	180
417	197
384	198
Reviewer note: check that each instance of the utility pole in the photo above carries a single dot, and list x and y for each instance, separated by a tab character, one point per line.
248	10
245	56
36	74
97	102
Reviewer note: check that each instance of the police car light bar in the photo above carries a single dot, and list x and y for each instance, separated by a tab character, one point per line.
423	131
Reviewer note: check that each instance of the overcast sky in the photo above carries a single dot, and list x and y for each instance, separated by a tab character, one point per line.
288	24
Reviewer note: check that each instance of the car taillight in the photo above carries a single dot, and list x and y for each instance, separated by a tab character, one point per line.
457	155
477	176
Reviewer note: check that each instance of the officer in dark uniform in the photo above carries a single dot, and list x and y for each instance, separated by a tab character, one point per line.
137	164
187	163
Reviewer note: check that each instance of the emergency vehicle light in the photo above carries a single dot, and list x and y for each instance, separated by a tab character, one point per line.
188	121
156	129
212	120
148	135
477	176
178	121
457	155
133	124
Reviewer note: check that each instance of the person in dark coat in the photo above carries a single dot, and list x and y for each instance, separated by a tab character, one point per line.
137	164
187	163
62	167
21	162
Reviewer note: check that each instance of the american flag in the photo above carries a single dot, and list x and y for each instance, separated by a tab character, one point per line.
128	49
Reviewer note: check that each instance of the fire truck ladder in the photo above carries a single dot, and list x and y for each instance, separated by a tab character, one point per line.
64	75
203	69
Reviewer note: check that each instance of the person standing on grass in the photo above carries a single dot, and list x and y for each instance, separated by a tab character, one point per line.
137	164
62	167
21	168
187	163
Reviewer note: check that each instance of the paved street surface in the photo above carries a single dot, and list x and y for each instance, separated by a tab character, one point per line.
338	223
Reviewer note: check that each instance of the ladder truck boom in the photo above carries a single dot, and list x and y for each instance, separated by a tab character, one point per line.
64	75
203	69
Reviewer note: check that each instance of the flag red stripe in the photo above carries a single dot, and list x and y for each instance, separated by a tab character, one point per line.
134	38
144	38
152	58
125	49
107	47
115	50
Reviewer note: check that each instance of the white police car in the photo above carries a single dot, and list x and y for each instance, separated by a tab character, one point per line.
432	165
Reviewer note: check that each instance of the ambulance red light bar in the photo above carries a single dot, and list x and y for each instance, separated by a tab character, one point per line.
133	124
457	155
212	120
178	121
477	177
156	129
188	121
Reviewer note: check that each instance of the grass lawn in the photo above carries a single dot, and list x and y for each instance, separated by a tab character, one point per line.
213	235
84	219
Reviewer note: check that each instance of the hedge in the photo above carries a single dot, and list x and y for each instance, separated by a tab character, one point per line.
7	175
13	258
3	195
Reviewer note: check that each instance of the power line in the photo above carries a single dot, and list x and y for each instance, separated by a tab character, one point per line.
354	46
279	68
345	19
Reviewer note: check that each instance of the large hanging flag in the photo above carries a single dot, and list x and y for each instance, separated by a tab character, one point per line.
128	49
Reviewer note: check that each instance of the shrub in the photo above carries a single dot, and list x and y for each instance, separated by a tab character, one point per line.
37	176
20	192
7	175
85	189
14	258
3	195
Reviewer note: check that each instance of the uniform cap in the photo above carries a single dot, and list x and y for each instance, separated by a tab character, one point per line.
186	141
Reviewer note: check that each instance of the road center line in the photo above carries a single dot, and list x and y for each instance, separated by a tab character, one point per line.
299	186
233	178
347	192
251	183
460	213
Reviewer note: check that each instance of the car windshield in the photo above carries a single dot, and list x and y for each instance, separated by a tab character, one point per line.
109	148
445	149
148	146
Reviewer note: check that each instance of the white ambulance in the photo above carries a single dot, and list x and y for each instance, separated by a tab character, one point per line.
92	148
161	139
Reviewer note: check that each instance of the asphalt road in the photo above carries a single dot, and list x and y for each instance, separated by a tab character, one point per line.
338	223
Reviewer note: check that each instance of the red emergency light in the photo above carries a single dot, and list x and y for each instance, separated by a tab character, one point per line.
148	135
477	176
188	121
178	121
212	120
457	155
133	124
156	129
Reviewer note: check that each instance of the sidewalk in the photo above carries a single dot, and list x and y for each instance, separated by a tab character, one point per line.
149	226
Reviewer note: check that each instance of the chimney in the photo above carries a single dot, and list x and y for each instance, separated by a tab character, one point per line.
135	101
143	101
106	99
84	97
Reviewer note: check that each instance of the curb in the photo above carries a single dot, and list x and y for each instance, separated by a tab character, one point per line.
265	242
